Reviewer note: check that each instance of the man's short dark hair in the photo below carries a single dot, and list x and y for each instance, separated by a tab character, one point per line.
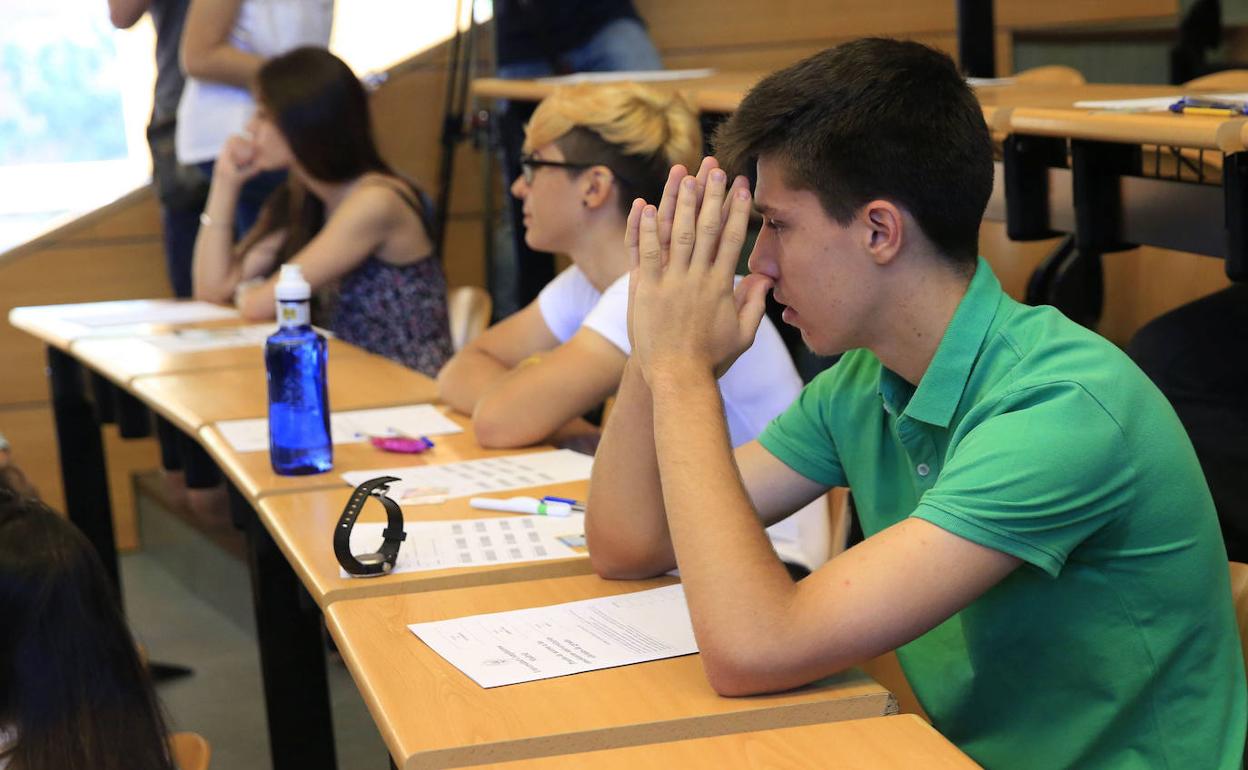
873	118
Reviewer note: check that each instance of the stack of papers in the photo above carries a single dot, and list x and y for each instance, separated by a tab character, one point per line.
434	545
989	82
1150	104
349	427
504	648
474	477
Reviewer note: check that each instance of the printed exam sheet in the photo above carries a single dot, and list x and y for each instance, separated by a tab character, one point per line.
504	648
474	477
434	545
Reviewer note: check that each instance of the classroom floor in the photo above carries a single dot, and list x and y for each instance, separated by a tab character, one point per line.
223	700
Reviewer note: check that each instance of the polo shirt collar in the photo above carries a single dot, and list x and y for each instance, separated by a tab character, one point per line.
939	392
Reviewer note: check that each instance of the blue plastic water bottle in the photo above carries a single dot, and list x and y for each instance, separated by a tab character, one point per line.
295	359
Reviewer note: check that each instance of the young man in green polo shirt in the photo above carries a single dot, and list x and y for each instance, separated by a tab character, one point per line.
1041	546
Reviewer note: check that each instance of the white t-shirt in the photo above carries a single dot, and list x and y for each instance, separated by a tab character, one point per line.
761	384
210	112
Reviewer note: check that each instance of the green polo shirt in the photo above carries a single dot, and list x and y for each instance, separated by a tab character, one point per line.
1114	645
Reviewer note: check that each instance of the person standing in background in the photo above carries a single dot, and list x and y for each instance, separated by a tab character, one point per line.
224	43
181	192
537	38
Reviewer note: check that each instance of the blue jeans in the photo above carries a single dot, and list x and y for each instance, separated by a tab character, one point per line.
622	44
179	226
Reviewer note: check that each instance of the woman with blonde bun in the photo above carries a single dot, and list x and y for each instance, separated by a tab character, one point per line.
589	151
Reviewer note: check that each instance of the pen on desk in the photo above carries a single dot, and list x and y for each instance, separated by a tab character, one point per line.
576	505
1221	112
521	505
1195	105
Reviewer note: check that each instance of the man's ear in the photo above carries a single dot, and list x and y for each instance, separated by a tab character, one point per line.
597	184
884	229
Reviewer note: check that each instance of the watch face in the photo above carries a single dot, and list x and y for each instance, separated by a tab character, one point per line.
369	559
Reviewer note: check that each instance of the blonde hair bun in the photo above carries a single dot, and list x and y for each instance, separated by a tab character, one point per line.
638	119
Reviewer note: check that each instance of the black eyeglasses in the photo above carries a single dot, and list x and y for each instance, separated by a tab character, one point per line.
529	165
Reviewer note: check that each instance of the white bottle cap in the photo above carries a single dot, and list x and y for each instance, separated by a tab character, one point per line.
291	287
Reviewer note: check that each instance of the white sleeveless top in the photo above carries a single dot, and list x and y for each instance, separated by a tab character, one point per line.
210	112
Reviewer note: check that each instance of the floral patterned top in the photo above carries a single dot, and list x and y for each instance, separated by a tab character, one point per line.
396	311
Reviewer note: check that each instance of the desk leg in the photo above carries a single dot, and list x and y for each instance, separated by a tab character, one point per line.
292	653
84	475
133	419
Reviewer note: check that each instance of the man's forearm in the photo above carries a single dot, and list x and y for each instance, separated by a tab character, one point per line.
521	407
733	579
626	526
466	376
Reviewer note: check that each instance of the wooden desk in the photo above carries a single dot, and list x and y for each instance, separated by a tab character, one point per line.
432	715
357	380
289	543
302	524
1049	111
58	325
898	742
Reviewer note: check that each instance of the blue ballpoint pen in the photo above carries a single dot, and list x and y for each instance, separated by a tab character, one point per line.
577	505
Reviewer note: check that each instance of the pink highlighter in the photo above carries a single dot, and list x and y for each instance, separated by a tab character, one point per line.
401	444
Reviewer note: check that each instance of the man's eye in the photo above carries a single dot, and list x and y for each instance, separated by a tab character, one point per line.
773	224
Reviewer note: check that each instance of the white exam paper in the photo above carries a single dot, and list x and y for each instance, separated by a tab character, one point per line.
1150	104
349	427
146	311
472	477
504	648
989	82
434	545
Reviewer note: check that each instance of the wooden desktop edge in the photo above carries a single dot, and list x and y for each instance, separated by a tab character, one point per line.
700	726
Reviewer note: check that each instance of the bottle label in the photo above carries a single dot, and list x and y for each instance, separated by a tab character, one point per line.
293	313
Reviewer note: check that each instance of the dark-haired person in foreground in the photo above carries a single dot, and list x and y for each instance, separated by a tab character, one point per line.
1041	547
73	692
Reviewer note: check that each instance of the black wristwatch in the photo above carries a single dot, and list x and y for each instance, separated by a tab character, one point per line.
381	562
